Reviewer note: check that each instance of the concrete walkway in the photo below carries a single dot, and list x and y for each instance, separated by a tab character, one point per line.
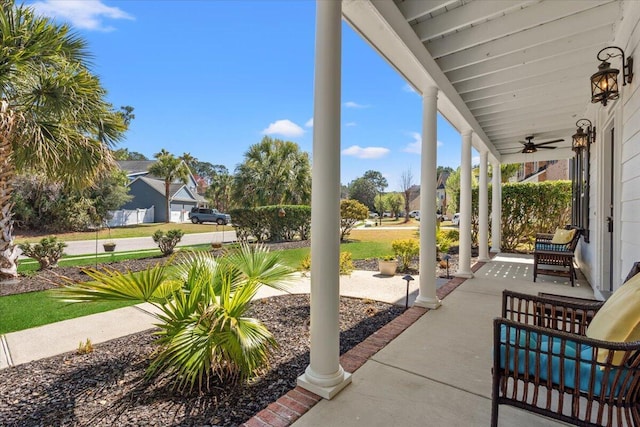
438	371
61	337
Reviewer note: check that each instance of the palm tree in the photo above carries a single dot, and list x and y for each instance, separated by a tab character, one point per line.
53	115
273	172
204	331
171	169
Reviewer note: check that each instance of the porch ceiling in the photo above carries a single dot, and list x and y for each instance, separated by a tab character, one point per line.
505	69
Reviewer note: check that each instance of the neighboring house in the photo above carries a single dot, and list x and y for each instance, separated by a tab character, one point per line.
148	190
552	170
414	198
441	193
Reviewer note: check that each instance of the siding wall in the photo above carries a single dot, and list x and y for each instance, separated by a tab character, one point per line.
143	197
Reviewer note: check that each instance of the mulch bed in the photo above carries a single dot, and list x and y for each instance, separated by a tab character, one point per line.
107	386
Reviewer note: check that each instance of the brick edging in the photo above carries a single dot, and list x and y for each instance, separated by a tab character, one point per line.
288	408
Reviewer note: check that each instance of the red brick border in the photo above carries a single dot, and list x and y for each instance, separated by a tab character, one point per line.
288	408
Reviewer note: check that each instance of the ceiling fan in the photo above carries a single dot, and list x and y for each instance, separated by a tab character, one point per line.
531	147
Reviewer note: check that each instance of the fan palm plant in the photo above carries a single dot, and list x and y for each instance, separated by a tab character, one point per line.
204	332
53	115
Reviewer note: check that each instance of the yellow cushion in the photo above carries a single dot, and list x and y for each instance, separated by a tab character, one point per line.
562	236
618	320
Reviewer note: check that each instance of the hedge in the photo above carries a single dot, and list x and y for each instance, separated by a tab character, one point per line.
527	208
268	224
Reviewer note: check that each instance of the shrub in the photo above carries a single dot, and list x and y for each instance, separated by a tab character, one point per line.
405	250
266	223
351	212
346	263
167	243
453	235
204	331
47	252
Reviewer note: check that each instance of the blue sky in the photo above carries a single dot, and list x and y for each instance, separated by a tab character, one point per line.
213	77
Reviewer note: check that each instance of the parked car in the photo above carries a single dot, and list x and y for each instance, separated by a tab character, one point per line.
413	214
373	215
456	219
200	215
386	214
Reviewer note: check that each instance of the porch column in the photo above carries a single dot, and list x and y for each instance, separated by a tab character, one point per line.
324	376
483	208
428	166
464	255
496	207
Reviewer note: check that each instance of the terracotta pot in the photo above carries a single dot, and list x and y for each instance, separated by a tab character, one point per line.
387	268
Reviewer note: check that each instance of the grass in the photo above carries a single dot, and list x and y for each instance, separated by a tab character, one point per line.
23	311
33	309
140	230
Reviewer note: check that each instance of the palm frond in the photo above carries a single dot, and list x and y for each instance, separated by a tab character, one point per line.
256	263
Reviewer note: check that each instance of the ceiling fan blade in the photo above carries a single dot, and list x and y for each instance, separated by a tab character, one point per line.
549	142
548	148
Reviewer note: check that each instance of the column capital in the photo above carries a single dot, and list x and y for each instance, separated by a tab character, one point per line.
466	132
430	92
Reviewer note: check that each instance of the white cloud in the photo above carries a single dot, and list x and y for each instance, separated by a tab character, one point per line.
365	152
475	160
416	146
284	128
86	14
350	124
309	123
351	104
408	88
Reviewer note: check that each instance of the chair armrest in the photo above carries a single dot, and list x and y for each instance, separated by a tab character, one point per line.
549	312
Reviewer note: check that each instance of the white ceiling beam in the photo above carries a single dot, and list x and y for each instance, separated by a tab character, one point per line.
412	9
557	50
506	109
526	39
533	122
562	129
460	17
521	75
532	16
506	119
571	90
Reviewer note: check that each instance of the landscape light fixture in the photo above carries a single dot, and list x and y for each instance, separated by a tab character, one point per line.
604	83
583	137
408	278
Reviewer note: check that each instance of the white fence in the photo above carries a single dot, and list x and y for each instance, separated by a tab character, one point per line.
124	217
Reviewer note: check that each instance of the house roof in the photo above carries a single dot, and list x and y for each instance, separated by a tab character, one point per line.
135	167
158	185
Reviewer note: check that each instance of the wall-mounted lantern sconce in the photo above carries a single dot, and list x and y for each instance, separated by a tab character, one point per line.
583	138
604	83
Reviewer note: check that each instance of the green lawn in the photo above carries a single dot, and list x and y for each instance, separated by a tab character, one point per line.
23	311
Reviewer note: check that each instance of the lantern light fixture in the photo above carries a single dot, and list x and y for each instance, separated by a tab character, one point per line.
604	83
585	135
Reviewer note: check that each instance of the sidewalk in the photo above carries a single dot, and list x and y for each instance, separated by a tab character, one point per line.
61	337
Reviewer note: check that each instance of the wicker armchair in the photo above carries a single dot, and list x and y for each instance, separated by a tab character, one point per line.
557	255
544	363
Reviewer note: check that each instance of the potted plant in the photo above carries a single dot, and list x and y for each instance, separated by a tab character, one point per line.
109	246
388	265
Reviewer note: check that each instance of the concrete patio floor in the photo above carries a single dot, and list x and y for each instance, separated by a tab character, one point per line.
438	371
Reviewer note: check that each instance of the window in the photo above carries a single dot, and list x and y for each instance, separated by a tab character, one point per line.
580	166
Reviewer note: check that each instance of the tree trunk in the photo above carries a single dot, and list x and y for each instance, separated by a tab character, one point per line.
167	184
8	251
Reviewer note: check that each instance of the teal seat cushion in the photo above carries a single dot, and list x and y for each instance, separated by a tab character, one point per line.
553	363
552	247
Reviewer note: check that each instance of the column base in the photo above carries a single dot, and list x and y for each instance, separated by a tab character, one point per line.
320	385
430	303
483	259
494	250
464	274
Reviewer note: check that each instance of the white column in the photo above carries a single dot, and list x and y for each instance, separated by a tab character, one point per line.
464	256
324	376
483	210
496	207
428	166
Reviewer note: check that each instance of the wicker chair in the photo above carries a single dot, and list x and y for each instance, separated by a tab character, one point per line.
557	255
544	363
